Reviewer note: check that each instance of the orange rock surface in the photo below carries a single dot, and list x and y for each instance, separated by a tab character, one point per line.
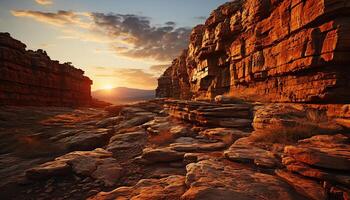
32	78
267	50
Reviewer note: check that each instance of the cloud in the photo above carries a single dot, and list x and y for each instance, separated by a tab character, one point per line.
44	2
143	40
201	18
61	18
129	35
101	68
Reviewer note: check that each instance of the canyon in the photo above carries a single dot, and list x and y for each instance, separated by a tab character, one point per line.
31	78
257	107
268	51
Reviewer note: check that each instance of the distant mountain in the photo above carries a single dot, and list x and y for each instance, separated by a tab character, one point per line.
121	95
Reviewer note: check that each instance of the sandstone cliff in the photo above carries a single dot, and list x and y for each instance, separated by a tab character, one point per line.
32	78
267	50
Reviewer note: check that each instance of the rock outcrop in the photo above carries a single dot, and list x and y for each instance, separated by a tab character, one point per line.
32	78
265	50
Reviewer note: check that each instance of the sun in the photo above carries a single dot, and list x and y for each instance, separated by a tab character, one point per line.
108	87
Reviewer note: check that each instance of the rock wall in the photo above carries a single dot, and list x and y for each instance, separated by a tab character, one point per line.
32	78
268	50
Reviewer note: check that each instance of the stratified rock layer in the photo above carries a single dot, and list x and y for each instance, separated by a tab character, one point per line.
266	50
32	78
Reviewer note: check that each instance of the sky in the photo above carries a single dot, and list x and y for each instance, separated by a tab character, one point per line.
118	43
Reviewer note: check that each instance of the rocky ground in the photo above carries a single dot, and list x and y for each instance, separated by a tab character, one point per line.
167	149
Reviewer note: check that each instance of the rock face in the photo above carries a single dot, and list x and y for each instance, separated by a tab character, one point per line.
274	51
32	78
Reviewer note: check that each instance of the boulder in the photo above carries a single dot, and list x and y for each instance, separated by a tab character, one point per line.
330	152
171	187
251	154
214	179
161	155
79	162
309	188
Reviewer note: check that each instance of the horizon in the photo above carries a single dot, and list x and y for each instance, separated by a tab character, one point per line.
117	44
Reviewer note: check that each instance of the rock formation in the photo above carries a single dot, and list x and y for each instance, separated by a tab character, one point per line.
266	50
32	78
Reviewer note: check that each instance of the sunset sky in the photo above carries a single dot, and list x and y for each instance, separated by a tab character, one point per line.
118	43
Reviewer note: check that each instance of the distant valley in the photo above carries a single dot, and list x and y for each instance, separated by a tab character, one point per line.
122	95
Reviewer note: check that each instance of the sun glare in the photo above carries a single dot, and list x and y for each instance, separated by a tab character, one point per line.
108	87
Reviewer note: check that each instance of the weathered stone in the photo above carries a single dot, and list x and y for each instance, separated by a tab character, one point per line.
31	78
213	179
171	187
134	121
251	154
161	155
81	162
316	173
109	122
211	114
272	51
108	171
132	142
331	152
225	135
309	188
87	140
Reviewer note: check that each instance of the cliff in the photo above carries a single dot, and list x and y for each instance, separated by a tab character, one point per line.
32	78
267	50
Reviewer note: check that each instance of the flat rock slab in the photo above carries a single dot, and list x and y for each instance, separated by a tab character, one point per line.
227	135
134	121
251	154
214	179
326	151
97	164
132	143
305	170
87	140
171	188
197	146
307	187
161	155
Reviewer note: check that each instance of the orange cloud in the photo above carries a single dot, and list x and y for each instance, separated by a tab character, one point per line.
44	2
129	35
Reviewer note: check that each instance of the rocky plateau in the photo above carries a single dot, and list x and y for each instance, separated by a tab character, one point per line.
257	108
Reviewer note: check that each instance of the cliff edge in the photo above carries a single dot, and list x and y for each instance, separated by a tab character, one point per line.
31	78
266	50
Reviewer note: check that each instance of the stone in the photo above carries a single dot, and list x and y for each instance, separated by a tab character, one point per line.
109	122
131	142
50	83
325	151
171	187
309	188
298	116
48	170
108	171
211	114
251	154
197	146
225	135
161	155
81	162
316	173
267	51
134	121
87	140
215	179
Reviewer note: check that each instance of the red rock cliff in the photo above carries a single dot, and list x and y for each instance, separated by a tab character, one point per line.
32	78
267	50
